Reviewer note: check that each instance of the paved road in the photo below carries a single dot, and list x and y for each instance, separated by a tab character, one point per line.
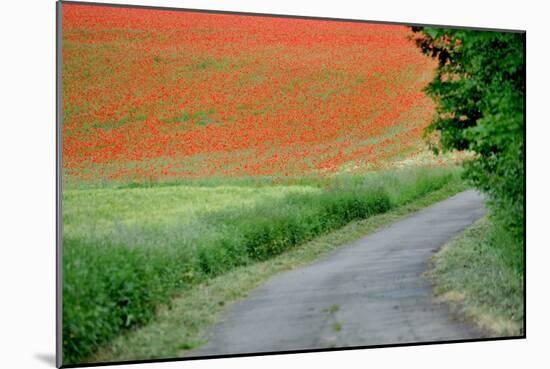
370	292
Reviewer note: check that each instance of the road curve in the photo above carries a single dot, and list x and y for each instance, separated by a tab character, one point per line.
370	292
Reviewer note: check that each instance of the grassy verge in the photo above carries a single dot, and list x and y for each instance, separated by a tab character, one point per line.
182	325
126	251
474	277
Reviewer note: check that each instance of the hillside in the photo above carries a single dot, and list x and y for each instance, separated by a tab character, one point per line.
161	94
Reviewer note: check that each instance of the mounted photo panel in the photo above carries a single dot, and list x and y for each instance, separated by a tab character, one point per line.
241	184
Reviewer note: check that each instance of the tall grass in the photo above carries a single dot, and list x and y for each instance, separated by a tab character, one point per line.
475	277
123	257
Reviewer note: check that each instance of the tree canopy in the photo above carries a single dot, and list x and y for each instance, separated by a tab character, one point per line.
479	90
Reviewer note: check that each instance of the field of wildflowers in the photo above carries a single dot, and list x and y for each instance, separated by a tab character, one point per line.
162	94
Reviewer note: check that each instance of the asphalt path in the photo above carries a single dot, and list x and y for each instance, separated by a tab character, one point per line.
370	292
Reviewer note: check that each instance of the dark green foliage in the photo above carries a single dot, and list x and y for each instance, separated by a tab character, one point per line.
479	88
109	287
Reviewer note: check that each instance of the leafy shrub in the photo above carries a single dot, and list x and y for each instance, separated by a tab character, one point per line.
479	88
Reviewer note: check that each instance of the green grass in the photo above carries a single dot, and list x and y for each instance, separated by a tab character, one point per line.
182	325
472	274
154	216
331	310
127	251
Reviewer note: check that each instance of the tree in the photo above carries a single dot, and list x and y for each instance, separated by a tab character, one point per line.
479	90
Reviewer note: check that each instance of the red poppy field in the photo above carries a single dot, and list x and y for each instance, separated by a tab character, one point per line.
155	95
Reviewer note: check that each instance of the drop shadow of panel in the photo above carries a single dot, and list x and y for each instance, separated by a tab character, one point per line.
46	358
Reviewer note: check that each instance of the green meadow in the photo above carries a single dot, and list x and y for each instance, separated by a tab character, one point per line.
128	249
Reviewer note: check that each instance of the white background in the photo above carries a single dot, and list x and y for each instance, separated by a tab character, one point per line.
27	192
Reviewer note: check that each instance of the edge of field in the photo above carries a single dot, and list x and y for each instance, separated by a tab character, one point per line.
200	307
470	276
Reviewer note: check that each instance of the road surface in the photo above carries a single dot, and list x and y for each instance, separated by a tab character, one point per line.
370	292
